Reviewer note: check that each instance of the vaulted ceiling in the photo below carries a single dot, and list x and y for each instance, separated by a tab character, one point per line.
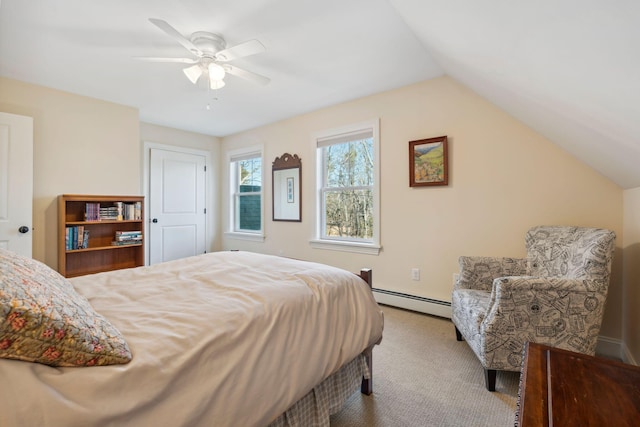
569	69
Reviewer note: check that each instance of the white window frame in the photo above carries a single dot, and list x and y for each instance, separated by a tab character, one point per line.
370	247
232	158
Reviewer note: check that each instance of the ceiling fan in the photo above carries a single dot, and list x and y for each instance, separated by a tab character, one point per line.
210	56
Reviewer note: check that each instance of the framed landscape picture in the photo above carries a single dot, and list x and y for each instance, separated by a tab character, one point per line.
428	162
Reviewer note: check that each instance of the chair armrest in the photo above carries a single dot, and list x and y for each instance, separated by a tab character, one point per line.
558	285
479	272
546	310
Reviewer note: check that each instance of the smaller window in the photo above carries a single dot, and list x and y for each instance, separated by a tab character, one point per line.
246	179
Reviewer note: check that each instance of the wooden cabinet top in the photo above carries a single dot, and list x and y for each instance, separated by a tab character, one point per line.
99	198
563	388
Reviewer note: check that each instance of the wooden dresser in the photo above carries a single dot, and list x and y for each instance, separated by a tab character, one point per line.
562	388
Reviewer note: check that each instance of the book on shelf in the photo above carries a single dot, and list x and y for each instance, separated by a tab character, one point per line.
92	212
85	239
120	210
126	242
123	238
76	237
137	211
98	212
79	237
132	211
108	213
115	211
128	236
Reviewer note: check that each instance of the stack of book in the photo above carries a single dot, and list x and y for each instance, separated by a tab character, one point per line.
76	237
127	238
92	212
109	213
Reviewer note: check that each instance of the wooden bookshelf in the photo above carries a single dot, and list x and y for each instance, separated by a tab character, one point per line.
100	253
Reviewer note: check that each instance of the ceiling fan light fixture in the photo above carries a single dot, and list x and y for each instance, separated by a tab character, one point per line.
210	55
193	73
216	72
216	84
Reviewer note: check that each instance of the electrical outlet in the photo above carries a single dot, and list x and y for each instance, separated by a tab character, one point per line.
415	274
455	277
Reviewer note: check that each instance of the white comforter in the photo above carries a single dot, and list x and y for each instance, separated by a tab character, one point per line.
222	339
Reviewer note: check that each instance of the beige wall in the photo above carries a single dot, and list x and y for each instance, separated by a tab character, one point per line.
211	144
631	308
504	178
87	146
81	146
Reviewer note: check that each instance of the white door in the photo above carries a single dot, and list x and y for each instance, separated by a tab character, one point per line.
16	183
176	205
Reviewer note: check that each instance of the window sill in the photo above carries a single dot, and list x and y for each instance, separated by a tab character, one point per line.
253	237
359	248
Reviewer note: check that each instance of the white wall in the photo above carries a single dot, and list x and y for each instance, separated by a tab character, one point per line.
504	178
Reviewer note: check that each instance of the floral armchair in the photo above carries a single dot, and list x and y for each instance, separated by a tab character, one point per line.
555	296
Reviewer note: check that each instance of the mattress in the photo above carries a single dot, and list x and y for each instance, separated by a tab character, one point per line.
224	339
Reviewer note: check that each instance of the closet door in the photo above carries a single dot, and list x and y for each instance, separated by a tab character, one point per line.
176	205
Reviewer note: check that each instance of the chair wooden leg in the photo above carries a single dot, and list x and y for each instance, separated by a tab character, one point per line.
458	334
490	379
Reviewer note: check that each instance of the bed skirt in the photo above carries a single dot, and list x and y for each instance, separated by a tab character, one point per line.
326	399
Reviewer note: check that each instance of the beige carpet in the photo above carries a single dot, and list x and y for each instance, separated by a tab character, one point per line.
422	376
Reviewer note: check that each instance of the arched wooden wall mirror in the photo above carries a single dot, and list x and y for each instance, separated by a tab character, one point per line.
287	176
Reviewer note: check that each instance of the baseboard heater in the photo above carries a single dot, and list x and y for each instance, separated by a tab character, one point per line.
413	302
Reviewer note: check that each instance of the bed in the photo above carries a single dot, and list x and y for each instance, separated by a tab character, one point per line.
224	339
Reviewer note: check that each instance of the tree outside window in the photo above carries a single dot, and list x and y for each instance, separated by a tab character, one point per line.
347	190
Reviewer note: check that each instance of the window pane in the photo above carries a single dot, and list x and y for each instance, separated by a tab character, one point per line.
349	164
349	214
249	212
249	204
250	173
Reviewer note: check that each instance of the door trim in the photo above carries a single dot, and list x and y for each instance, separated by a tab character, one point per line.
18	129
208	180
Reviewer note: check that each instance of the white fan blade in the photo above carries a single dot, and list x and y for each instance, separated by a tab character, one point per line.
153	59
256	78
172	32
247	48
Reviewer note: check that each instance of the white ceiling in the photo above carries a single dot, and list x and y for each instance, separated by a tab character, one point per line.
570	69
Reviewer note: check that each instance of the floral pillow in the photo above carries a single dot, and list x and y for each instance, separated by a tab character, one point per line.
43	319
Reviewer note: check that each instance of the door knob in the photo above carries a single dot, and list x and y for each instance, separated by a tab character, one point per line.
154	220
23	229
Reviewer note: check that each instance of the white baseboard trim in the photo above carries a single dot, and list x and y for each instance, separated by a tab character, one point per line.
609	347
616	349
412	302
627	357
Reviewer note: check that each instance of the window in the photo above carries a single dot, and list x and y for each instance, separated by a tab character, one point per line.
246	177
348	189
